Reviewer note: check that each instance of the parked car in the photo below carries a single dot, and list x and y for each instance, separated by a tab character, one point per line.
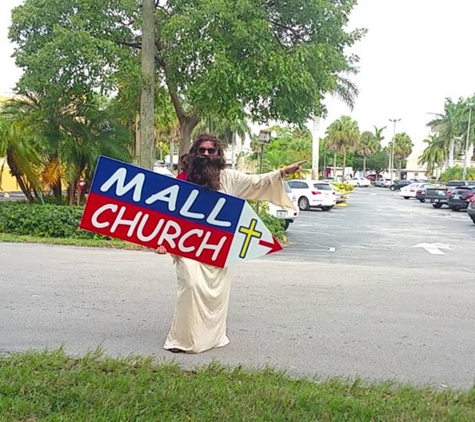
459	198
421	191
359	181
313	194
382	182
287	215
400	184
411	190
471	209
457	183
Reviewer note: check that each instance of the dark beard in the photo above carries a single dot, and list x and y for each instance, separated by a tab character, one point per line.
205	171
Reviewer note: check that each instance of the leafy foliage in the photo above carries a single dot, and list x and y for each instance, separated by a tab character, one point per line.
343	135
214	57
42	220
456	173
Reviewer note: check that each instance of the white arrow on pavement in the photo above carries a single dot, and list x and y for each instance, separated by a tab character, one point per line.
432	248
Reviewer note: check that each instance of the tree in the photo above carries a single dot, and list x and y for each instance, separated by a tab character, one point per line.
434	155
214	57
402	148
343	135
378	161
147	102
45	149
20	143
367	146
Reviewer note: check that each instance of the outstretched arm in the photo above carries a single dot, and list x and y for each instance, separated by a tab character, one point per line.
265	187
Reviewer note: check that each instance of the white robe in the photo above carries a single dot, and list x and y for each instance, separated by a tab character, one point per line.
201	310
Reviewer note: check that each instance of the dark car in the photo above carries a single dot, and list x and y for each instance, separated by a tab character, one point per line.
471	209
400	184
459	198
421	193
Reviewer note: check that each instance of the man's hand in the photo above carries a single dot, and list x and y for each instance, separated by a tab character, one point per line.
293	168
161	250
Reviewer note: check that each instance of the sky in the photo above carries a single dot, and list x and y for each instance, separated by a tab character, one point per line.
416	54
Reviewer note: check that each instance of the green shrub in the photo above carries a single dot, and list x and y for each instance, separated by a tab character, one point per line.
456	173
343	187
59	221
42	220
275	225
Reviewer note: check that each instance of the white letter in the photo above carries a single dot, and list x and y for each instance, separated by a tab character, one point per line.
185	209
119	177
132	223
169	195
181	243
99	211
212	217
140	234
216	248
170	237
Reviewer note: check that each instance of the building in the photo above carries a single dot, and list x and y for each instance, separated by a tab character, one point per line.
7	181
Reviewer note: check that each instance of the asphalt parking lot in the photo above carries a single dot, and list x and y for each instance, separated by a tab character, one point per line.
351	296
382	229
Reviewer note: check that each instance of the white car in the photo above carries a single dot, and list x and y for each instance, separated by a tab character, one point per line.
410	191
382	182
287	215
313	194
359	181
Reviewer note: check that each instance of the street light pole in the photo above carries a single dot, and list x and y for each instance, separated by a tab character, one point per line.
391	160
467	146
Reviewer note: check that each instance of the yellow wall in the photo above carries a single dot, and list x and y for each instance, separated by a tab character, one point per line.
8	183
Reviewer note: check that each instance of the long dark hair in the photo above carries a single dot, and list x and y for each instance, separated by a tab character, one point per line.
205	170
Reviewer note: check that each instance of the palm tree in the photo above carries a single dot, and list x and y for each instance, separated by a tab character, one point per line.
22	143
402	148
435	154
343	135
447	126
367	146
378	134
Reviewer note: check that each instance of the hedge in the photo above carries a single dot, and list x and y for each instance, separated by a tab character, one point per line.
59	221
43	220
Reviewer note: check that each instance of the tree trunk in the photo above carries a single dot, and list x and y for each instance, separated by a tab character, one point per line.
147	101
187	124
468	155
58	191
344	166
451	153
18	175
364	165
72	192
334	164
233	151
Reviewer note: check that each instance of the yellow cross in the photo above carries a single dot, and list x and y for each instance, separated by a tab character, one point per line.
250	232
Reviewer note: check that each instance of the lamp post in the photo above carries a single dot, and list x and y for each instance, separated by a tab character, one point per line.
391	159
467	146
264	138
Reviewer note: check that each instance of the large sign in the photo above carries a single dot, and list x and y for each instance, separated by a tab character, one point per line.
137	205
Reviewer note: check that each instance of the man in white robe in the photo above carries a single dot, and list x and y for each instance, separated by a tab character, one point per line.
201	310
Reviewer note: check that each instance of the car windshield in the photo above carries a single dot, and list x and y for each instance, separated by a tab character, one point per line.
287	187
322	186
455	183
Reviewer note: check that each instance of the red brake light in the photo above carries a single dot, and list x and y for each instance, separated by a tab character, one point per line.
449	193
419	192
469	195
316	192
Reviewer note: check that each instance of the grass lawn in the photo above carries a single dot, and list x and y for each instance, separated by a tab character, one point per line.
50	386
